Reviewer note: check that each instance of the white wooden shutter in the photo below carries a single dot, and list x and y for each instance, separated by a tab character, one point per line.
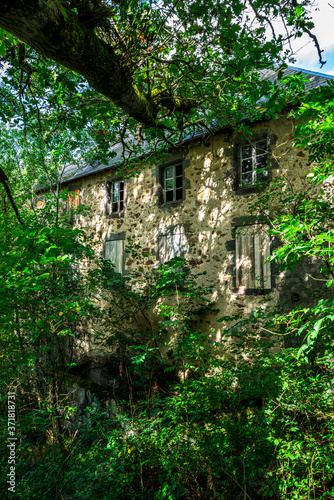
252	251
245	257
114	251
172	244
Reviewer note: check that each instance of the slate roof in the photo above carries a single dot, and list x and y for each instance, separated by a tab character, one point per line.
74	172
315	79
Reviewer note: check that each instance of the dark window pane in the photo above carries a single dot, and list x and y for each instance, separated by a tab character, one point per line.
246	165
262	175
247	179
115	207
178	182
122	185
169	195
178	170
261	147
169	173
246	151
121	205
169	184
115	191
178	194
261	161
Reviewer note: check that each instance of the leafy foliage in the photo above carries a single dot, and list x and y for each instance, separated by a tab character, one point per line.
156	71
185	417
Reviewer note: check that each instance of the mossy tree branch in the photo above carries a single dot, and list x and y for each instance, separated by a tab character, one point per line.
54	31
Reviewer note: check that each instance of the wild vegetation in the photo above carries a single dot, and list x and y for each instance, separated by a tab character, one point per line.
194	418
252	421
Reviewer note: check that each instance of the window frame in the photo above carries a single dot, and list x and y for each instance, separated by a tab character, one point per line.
238	140
175	188
254	171
40	203
174	157
109	212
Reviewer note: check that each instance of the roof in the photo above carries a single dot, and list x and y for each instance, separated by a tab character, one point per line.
73	172
315	78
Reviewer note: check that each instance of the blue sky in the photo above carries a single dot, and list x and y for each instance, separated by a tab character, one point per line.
306	54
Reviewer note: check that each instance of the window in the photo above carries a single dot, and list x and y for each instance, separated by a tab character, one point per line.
40	204
114	251
72	202
172	243
115	197
253	163
73	199
252	251
172	182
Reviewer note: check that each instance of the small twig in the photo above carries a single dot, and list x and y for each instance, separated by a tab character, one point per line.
263	18
316	279
274	333
314	38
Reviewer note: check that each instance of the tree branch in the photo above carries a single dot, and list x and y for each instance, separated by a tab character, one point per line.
3	181
314	38
54	31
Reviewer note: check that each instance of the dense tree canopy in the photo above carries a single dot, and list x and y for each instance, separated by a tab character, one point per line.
168	64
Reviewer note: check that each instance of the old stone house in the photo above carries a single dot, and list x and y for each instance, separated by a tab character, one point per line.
197	204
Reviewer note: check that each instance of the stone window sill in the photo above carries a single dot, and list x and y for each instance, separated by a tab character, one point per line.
115	215
171	204
252	291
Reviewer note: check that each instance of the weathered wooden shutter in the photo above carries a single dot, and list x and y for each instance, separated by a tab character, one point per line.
72	202
108	198
73	199
114	251
244	257
76	200
252	251
173	243
265	255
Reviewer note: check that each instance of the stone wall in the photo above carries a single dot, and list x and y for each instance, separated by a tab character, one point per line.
211	209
